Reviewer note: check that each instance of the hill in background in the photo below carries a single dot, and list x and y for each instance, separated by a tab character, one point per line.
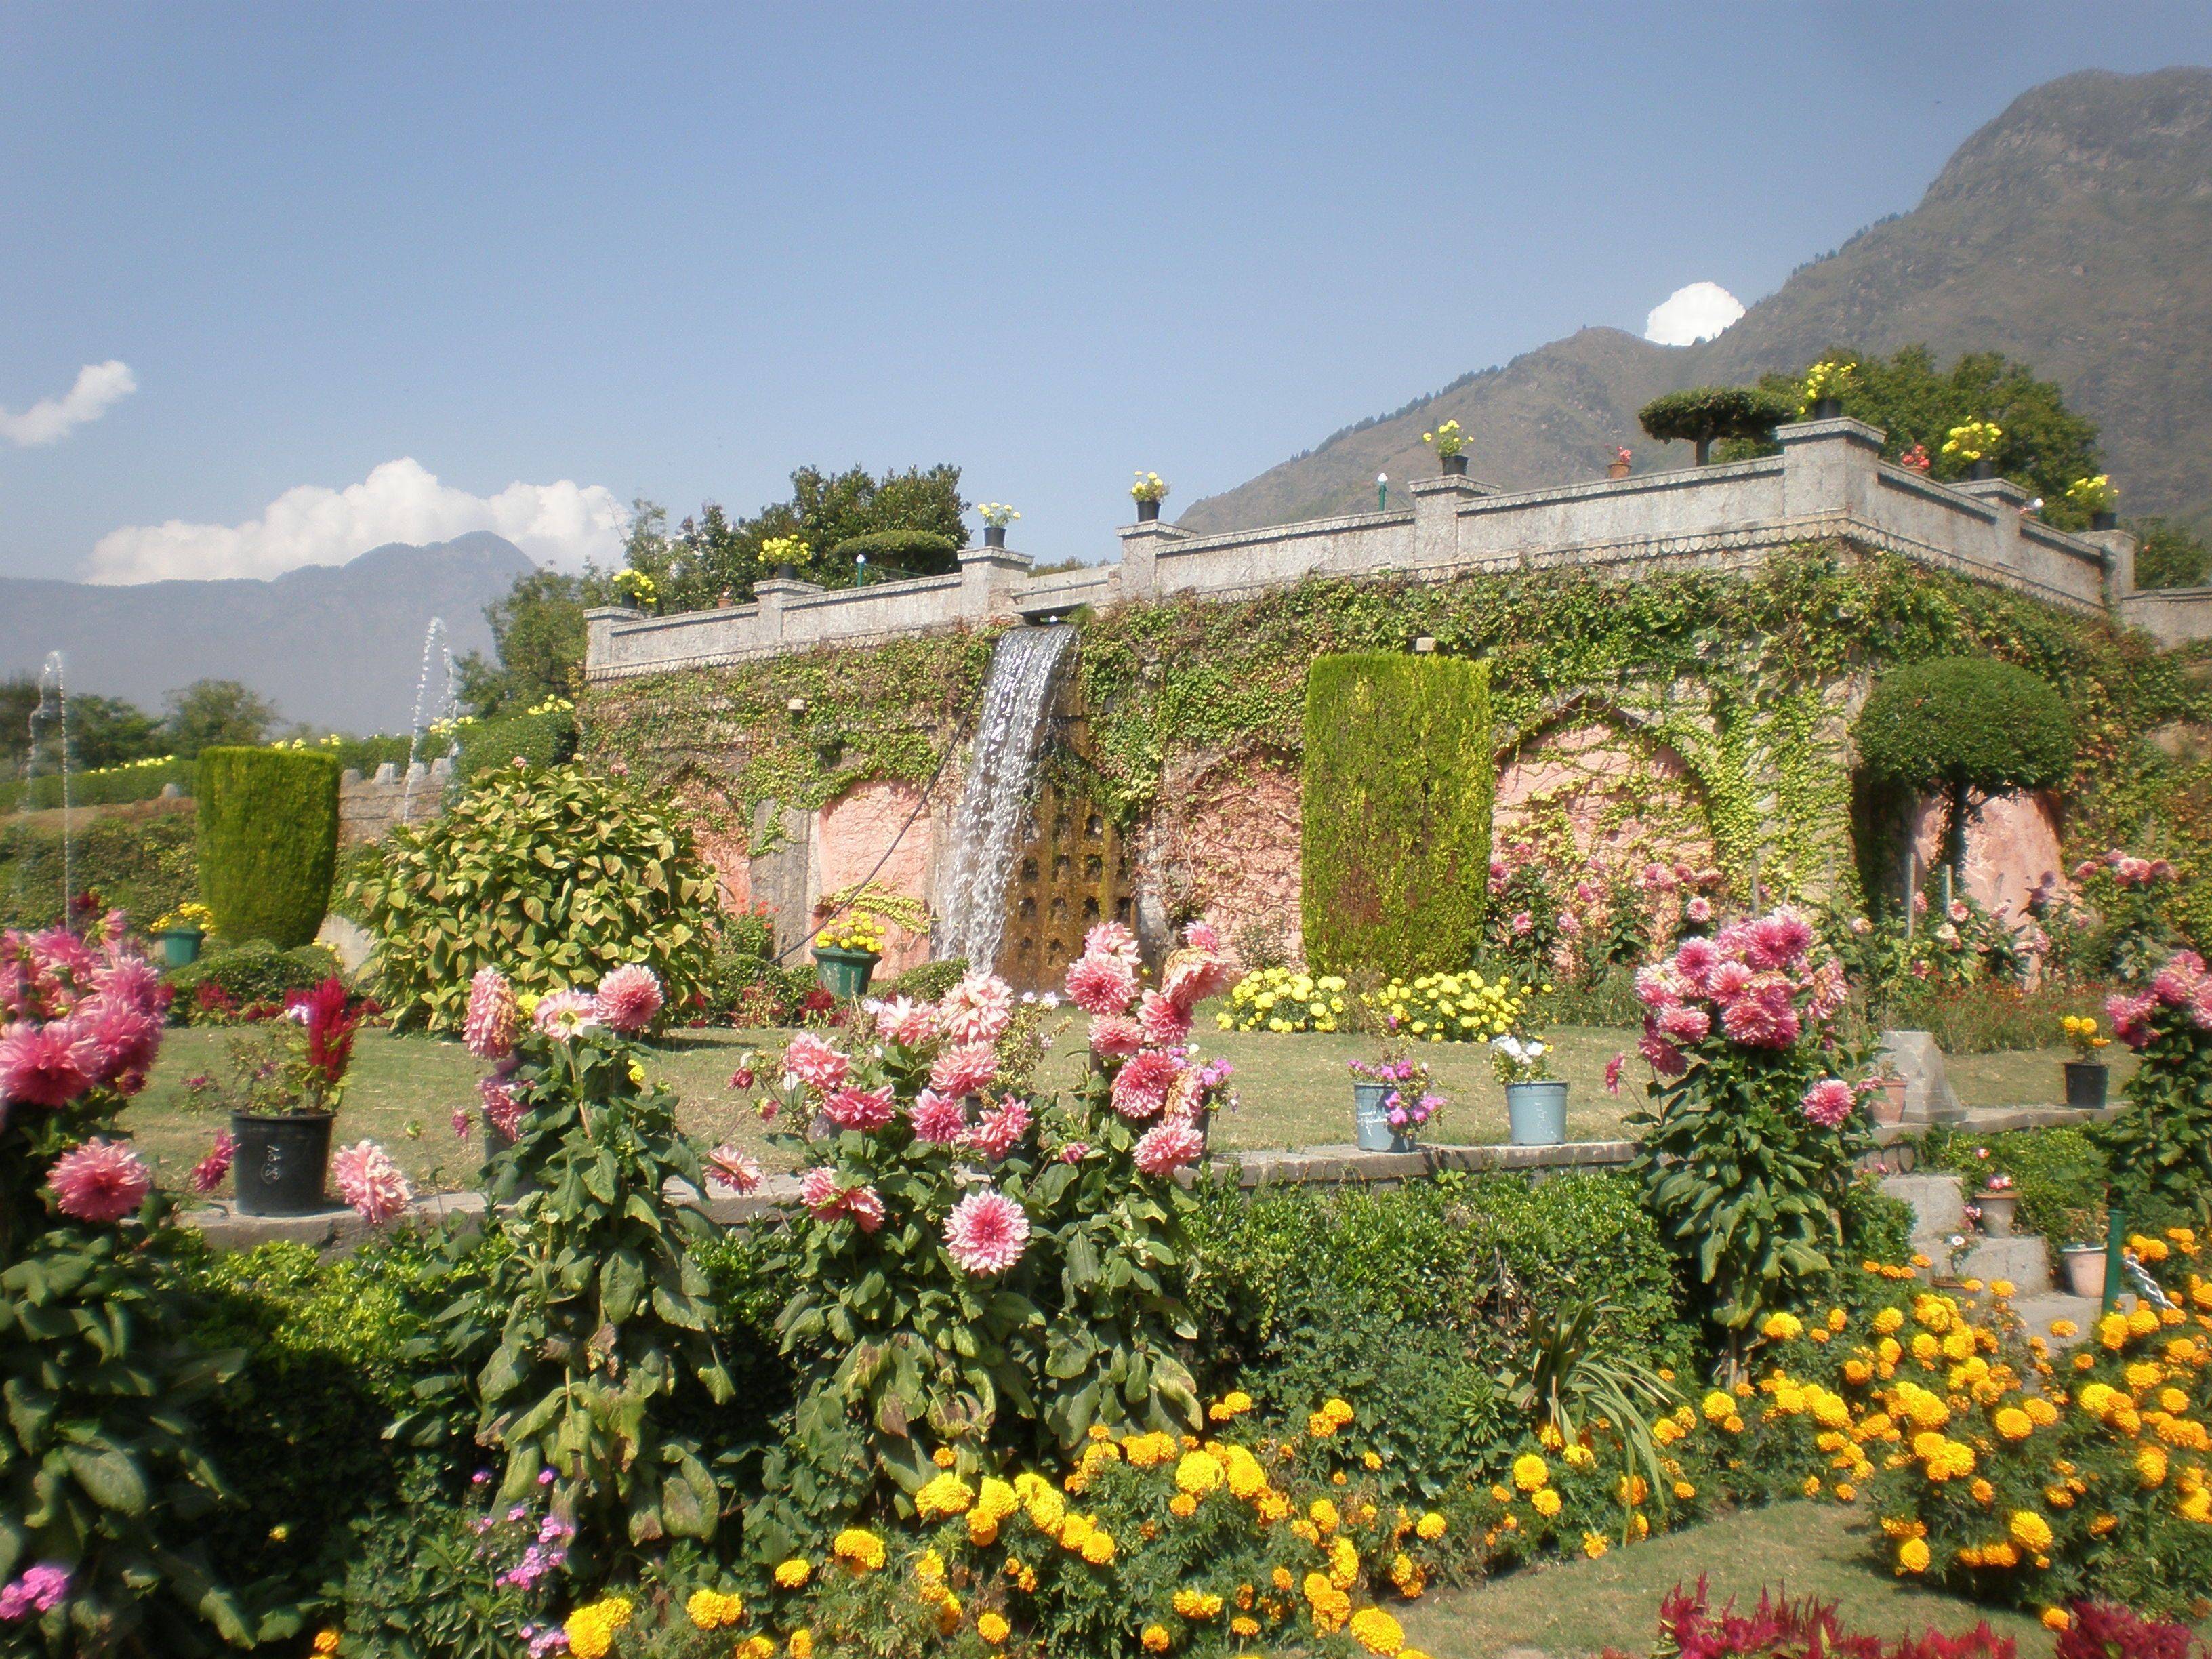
335	645
2073	233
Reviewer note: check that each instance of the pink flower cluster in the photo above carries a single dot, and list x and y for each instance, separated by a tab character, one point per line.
819	1191
39	1589
2127	870
1754	982
369	1180
2183	986
986	1233
76	1019
1145	1029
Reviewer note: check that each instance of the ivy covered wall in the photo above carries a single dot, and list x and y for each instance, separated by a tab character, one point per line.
1750	679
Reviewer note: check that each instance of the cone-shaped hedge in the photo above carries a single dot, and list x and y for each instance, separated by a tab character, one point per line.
269	837
1398	775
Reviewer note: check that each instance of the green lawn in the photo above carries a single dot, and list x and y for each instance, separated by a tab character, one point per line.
1586	1607
1291	1091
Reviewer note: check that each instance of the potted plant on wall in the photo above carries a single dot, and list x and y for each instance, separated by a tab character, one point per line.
1148	492
785	554
996	516
2087	1076
639	588
1975	444
2096	497
1535	1101
1825	382
288	1080
181	932
1391	1098
1996	1202
1451	448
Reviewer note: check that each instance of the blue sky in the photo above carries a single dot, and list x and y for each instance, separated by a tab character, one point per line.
676	252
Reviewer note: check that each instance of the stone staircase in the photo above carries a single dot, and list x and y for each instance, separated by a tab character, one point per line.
1939	1211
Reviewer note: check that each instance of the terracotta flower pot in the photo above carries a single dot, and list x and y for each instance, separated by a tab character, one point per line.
1887	1106
1997	1213
2085	1268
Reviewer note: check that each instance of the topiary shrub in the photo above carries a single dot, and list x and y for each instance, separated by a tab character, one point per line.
1396	842
556	877
256	972
1705	413
268	840
539	739
915	552
1964	723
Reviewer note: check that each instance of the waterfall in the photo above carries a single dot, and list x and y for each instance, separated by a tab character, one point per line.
987	829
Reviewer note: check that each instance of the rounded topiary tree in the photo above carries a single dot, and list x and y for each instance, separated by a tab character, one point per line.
268	841
1704	413
556	876
1965	725
1396	839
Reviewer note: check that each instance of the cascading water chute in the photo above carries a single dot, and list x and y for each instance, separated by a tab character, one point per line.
987	827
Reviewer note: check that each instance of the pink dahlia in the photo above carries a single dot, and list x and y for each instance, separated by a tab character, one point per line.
629	998
1612	1069
1115	1035
1111	939
860	1108
1166	1147
101	1180
1757	1024
819	1192
1191	976
903	1020
503	1107
726	1166
966	1070
43	1065
865	1206
1727	980
1100	983
118	1040
1698	911
1203	936
1828	1102
986	1233
1695	960
39	1590
1685	1024
1141	1086
566	1014
977	1009
1663	1057
208	1173
940	1120
490	1029
369	1181
1659	985
1074	1152
2176	984
1000	1130
1166	1022
814	1062
133	981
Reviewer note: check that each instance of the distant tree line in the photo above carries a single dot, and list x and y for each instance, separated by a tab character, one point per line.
114	731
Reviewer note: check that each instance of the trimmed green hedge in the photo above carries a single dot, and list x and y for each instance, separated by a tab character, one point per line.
142	861
915	552
1972	722
1399	776
108	785
268	841
540	739
255	971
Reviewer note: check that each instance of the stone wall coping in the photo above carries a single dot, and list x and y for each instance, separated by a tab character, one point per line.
1910	482
1636	483
1846	426
1266	534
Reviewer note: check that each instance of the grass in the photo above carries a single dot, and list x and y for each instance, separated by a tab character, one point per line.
1585	1607
1291	1091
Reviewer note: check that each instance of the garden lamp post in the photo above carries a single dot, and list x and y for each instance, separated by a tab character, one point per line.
1381	492
861	568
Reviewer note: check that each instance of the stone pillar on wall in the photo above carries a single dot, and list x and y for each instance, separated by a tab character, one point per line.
772	595
600	622
1829	467
1436	502
989	579
2119	547
1140	550
2007	498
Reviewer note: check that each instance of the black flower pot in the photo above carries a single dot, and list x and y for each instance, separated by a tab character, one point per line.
1980	471
1455	466
2103	521
994	535
1147	511
1828	408
2085	1085
280	1162
784	573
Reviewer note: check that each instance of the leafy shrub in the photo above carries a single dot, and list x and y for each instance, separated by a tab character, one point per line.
1702	414
2161	1146
913	552
2121	920
928	981
1987	1017
269	837
556	877
253	975
537	739
106	786
1398	775
142	862
2060	1175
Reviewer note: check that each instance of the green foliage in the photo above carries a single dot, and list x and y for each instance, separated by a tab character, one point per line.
113	786
268	839
556	877
254	972
539	740
209	713
538	644
1396	826
2160	1148
907	552
1702	414
1580	1379
2169	555
2060	1175
142	861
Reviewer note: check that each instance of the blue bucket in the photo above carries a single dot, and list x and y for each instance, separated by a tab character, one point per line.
1538	1113
1371	1119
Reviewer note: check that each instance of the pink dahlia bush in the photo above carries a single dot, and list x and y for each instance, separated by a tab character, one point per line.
628	999
2160	1147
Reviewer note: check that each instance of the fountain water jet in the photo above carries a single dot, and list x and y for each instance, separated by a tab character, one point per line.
994	799
435	631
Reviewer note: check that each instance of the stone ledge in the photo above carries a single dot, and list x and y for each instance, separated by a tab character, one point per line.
1328	1165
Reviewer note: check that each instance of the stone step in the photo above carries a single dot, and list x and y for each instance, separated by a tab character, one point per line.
1938	1208
2023	1261
2039	1313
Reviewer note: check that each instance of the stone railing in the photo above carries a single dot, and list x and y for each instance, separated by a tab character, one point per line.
369	807
1829	482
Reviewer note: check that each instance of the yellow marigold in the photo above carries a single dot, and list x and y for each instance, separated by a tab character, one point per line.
2150	1465
945	1457
2014	1423
793	1574
1322	1513
1431	1526
1783	1328
1684	1492
1244	1625
2056	1618
1043	1501
756	1647
1197	1605
1343	1563
1321	1425
712	1609
1247	1480
1197	1473
993	1628
1530	1471
1099	1547
859	1548
1912	1556
1719	1407
326	1642
1280	1578
1155	1638
2030	1529
1377	1631
1846	1492
1337	1411
1579	1456
1546	1502
1888	1319
1370	1460
945	1494
1982	1491
1073	1531
1595	1545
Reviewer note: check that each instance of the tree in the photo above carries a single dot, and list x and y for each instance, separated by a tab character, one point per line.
208	712
1705	413
2046	446
1964	723
102	731
2169	555
538	643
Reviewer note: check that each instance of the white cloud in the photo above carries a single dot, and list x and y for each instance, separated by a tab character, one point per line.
1691	315
98	387
560	524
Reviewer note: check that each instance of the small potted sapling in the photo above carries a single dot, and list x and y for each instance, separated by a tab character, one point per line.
1996	1202
1391	1097
1535	1101
2084	1259
182	931
2087	1076
287	1079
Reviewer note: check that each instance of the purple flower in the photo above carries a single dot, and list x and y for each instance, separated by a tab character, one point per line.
36	1591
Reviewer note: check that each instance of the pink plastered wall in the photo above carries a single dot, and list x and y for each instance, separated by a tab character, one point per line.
852	832
2012	844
